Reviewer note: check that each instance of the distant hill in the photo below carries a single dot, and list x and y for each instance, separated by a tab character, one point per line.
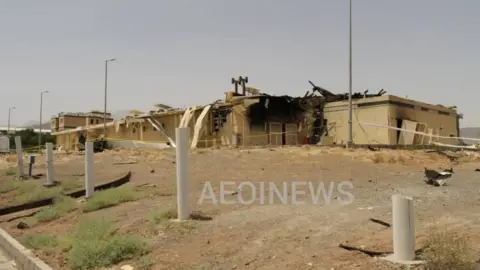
470	132
34	125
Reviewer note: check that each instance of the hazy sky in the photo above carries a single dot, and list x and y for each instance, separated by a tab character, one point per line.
182	52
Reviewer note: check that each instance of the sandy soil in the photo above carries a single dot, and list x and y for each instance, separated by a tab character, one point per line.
277	236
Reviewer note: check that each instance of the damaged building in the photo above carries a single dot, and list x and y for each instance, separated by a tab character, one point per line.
248	118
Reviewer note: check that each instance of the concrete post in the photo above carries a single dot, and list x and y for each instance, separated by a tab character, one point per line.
18	146
403	228
50	171
89	187
181	140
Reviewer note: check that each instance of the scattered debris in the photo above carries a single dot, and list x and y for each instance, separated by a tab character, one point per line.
200	216
381	222
127	267
435	178
54	184
368	252
125	163
146	185
477	170
22	225
449	170
442	153
23	216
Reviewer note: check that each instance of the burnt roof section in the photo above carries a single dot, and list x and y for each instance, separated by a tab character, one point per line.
330	97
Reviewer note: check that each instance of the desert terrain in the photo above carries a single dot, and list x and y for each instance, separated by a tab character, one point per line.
134	224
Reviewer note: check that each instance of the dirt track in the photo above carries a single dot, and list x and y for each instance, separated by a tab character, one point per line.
282	236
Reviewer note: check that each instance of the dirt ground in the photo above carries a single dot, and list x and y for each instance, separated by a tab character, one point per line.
273	236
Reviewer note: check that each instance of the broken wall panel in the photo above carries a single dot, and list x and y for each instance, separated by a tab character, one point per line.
406	138
418	138
275	134
291	134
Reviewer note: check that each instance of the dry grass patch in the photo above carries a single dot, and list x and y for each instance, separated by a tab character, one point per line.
91	245
161	221
448	250
21	186
10	171
110	197
41	242
62	205
36	192
378	158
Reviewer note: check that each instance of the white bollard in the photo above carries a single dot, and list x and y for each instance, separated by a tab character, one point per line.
181	141
49	161
18	146
403	228
89	187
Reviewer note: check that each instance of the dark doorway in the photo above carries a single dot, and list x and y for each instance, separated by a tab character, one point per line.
399	126
284	135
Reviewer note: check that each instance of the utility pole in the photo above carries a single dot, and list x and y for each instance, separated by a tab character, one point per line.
350	139
105	101
9	116
40	128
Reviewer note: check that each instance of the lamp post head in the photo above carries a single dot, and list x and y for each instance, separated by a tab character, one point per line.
111	60
12	108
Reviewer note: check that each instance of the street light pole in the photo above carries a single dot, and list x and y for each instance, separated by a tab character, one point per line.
105	101
9	115
40	128
350	139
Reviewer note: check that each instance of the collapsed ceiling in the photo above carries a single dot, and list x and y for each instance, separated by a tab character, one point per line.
287	109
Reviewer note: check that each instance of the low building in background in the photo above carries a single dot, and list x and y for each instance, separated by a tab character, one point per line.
255	119
68	121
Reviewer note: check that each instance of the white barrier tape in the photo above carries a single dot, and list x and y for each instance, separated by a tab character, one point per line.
456	146
417	132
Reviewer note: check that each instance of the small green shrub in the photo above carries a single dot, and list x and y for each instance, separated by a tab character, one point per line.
160	215
62	205
160	219
10	171
108	198
93	245
27	194
21	186
40	242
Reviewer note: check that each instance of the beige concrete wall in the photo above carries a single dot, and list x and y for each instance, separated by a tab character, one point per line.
67	141
443	125
256	135
386	112
337	122
89	121
169	123
71	121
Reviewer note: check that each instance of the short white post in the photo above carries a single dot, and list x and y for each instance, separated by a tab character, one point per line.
89	188
181	141
403	228
18	146
50	171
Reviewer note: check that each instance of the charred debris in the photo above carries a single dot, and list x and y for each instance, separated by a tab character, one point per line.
286	109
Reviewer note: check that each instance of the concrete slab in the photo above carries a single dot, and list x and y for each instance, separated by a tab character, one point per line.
392	259
5	262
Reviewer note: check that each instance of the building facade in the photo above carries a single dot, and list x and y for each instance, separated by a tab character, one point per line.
267	120
68	121
378	120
